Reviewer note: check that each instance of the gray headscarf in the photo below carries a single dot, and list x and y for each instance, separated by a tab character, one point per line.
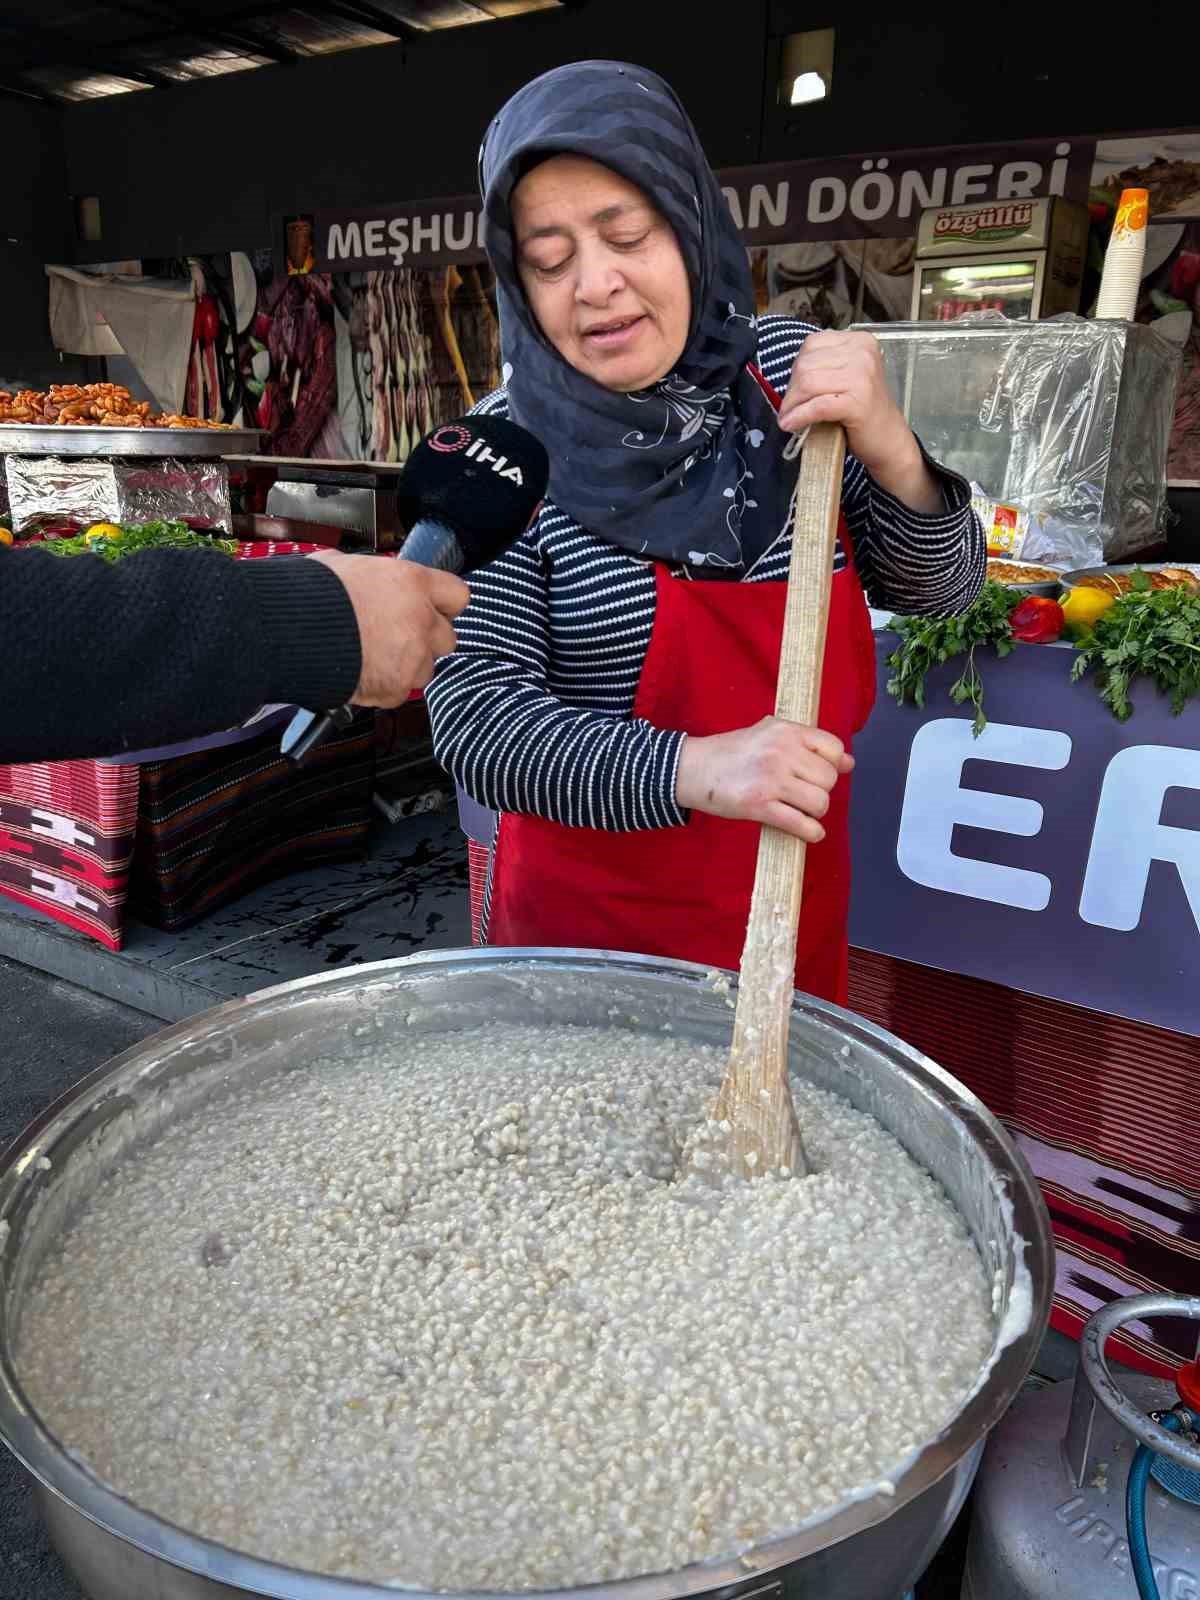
690	470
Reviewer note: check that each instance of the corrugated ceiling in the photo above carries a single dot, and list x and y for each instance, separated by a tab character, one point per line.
64	51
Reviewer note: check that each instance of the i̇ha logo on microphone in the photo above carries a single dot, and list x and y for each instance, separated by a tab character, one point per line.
453	436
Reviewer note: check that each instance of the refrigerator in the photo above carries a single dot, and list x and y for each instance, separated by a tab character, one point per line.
1022	258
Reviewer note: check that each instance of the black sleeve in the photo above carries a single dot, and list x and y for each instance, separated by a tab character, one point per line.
98	659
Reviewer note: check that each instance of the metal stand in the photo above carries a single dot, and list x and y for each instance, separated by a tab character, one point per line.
1094	1382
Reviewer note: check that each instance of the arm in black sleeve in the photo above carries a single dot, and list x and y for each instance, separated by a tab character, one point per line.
165	645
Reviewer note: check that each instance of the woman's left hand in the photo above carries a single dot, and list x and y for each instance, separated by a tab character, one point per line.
838	377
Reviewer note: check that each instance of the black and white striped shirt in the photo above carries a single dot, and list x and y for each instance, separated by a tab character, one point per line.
533	713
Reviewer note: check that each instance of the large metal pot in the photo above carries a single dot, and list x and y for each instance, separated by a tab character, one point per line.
871	1549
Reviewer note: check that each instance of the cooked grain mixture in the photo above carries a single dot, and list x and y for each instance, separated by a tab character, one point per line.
446	1317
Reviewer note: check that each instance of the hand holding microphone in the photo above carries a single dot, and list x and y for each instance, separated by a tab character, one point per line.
404	614
467	492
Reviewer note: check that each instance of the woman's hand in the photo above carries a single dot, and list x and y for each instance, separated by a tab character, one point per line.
775	772
838	377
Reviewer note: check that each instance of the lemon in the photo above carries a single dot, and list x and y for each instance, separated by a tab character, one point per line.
102	530
5	536
1082	607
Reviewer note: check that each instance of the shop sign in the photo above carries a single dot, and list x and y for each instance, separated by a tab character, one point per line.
997	224
865	197
419	233
1058	854
883	196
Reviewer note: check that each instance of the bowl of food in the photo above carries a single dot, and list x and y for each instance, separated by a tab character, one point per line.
1119	580
1025	576
395	1278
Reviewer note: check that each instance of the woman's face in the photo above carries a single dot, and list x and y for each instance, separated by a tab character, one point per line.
602	271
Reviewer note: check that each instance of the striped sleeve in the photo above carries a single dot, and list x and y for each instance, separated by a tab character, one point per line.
909	561
514	746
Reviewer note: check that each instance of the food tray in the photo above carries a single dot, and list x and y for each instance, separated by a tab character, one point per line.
50	439
1049	588
1070	580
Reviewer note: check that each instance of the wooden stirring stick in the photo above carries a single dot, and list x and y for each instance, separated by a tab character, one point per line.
755	1098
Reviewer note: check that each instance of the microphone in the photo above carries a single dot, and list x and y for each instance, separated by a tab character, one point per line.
467	492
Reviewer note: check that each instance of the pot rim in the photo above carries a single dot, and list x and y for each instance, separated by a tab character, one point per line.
22	1430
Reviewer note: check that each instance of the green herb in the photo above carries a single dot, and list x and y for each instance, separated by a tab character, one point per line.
928	642
139	536
1151	633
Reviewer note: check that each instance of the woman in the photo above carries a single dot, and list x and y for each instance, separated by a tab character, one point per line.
612	692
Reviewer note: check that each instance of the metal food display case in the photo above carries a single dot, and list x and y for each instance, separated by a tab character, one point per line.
1068	419
53	474
352	504
97	442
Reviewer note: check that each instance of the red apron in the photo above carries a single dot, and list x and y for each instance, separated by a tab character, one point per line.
684	892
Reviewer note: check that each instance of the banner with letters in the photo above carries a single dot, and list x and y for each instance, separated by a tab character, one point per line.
1058	854
860	197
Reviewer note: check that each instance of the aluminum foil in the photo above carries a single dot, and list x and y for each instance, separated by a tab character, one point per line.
63	495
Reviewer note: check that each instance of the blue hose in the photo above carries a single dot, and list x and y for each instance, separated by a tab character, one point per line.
1135	1514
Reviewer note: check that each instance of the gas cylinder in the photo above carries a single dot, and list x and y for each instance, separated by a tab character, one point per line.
1049	1516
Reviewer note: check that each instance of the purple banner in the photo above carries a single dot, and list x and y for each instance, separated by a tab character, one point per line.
874	197
419	233
860	197
264	718
1058	854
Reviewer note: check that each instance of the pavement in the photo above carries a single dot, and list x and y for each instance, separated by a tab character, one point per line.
51	1035
409	893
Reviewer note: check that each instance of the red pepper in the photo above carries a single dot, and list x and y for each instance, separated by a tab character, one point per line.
1037	620
206	324
265	407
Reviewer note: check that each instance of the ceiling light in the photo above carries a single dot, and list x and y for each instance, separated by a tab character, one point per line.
807	87
805	72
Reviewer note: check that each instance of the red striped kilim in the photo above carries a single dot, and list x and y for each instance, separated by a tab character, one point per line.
217	823
1104	1111
478	856
66	841
257	549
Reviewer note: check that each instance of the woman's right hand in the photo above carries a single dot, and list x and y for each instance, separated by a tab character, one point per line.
776	772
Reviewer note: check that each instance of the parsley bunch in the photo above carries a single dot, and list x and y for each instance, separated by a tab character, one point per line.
1154	633
927	642
138	536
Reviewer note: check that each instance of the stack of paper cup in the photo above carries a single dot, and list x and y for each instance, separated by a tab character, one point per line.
1124	257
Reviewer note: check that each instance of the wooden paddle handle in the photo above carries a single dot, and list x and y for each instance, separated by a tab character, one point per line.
810	576
755	1097
779	878
780	874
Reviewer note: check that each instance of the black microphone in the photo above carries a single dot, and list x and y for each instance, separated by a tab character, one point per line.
467	492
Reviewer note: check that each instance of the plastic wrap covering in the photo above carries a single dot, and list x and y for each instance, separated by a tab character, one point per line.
53	495
1068	420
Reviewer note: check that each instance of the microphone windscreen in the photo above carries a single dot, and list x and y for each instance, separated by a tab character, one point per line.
482	476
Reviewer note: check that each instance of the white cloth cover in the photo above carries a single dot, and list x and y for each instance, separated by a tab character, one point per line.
150	321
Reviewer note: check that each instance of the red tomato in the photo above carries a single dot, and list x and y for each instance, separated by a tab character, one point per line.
1037	620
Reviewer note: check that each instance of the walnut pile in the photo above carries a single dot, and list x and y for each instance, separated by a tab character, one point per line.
105	405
